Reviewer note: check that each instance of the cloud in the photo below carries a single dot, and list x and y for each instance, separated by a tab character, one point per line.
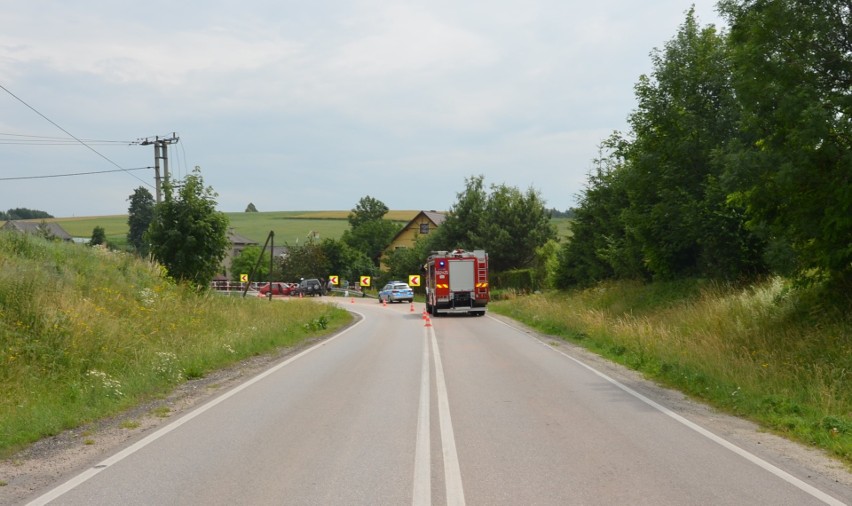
397	99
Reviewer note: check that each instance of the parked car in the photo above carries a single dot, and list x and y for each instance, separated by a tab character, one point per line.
396	291
307	287
277	287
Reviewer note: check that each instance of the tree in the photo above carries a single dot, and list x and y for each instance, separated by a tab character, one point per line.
139	216
250	208
22	213
687	112
345	261
792	170
98	236
187	235
367	210
600	247
369	232
508	224
305	260
463	223
516	224
247	260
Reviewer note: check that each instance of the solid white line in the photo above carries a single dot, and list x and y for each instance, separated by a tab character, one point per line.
142	443
452	472
423	453
754	459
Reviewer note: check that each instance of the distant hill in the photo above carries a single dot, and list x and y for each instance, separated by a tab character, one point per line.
289	226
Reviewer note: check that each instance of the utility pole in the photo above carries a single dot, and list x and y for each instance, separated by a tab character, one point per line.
161	152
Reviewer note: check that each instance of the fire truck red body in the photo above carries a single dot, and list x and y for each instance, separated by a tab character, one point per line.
457	282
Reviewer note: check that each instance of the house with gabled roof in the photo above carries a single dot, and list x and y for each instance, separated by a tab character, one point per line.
238	244
38	228
423	223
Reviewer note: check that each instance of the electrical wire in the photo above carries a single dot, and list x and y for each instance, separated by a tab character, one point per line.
73	136
68	175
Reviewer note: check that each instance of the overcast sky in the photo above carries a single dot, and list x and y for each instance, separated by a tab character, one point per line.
296	105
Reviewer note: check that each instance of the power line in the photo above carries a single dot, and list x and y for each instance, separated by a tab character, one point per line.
68	175
70	134
47	138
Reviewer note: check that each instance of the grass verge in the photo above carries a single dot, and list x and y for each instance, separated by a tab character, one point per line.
86	333
776	355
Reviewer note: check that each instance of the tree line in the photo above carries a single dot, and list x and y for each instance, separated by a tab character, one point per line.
22	213
737	162
189	237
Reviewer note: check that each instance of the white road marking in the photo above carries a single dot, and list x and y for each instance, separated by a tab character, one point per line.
452	472
142	443
423	453
754	459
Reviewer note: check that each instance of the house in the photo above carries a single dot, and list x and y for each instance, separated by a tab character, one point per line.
238	244
38	228
423	223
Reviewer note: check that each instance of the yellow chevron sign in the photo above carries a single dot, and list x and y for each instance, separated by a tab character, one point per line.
414	280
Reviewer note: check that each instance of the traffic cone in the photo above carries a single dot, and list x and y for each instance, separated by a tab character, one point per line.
412	308
428	322
384	303
352	300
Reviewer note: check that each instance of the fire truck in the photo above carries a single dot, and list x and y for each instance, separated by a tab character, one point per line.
456	282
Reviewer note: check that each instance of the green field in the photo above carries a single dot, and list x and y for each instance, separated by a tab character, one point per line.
289	226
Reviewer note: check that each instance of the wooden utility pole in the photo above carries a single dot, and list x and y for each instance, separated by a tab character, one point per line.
161	152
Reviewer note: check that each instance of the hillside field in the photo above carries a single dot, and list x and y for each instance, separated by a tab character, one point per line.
289	226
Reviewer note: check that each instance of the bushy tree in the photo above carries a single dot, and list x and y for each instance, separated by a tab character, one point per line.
98	236
599	246
686	113
250	208
187	235
463	225
22	213
246	261
139	216
792	169
509	224
369	232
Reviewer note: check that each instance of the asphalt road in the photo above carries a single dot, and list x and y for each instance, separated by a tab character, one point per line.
454	410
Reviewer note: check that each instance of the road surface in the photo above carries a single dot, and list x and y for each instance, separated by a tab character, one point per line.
399	410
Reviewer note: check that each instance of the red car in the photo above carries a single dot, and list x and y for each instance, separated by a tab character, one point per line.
278	288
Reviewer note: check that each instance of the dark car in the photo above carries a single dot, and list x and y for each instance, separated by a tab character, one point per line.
307	287
278	288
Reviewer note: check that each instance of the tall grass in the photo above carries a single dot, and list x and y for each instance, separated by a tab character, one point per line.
86	332
777	355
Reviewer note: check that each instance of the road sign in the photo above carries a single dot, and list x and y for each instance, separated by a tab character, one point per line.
365	281
414	280
335	280
243	278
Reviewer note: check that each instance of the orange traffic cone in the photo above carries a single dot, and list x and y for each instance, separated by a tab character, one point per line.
412	308
428	322
384	303
352	300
